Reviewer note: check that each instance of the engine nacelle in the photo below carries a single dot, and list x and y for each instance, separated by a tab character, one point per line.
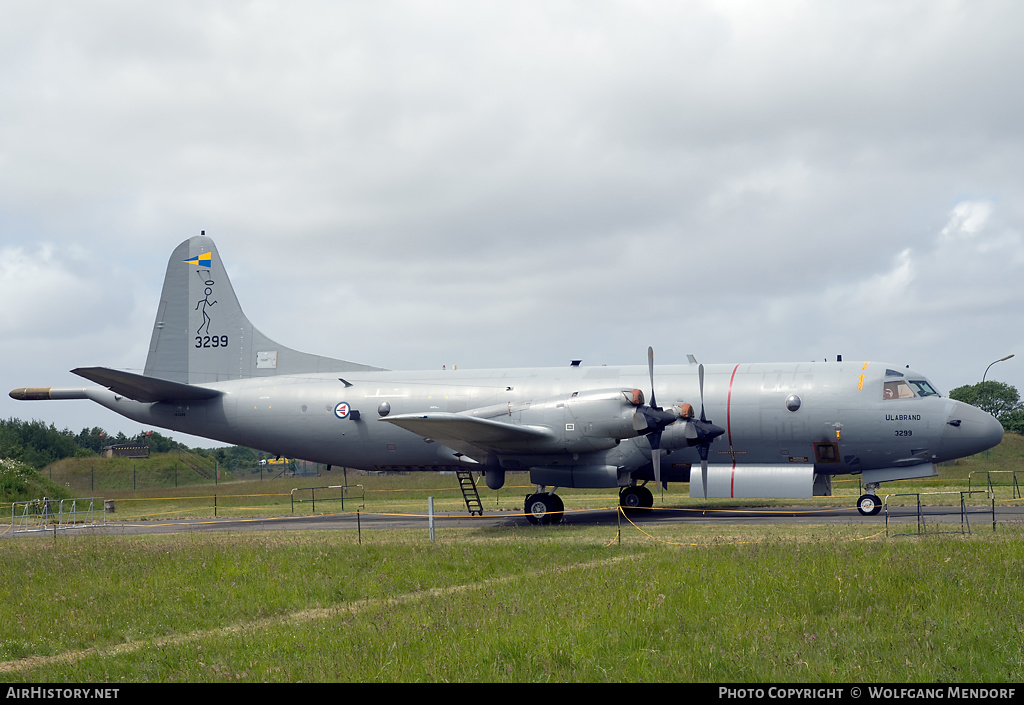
592	420
580	422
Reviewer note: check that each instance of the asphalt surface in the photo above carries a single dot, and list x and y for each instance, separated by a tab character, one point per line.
977	518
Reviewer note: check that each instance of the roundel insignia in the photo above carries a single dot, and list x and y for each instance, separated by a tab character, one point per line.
342	410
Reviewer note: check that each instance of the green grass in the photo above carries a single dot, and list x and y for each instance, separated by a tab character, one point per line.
688	602
562	603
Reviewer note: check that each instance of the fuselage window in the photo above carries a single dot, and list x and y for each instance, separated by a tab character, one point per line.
897	390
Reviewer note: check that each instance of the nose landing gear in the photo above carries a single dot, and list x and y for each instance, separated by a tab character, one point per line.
869	504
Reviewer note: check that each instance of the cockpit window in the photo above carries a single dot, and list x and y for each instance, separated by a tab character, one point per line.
897	390
923	388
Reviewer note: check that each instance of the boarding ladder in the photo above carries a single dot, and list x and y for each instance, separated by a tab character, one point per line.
469	493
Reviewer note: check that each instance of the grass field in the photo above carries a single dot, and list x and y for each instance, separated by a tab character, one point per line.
536	604
566	603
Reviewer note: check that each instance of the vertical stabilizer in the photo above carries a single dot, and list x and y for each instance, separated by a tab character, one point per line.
202	335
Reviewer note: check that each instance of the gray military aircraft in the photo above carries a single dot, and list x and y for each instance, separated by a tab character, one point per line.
781	429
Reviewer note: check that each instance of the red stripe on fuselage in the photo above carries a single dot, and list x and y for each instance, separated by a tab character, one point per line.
728	427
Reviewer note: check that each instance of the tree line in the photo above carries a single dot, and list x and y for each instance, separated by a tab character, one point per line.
37	444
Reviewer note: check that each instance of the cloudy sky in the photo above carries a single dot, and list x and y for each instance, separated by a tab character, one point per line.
508	184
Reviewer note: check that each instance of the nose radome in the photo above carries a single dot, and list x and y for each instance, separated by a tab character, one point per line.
969	430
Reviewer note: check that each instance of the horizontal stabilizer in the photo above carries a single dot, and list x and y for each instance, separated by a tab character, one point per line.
455	430
144	389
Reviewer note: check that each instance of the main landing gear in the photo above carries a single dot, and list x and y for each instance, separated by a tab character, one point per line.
544	508
636	499
547	507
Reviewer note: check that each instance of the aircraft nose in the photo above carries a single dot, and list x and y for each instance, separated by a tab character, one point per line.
968	430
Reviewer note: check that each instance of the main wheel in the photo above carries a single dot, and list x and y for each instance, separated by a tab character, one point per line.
869	505
540	508
636	499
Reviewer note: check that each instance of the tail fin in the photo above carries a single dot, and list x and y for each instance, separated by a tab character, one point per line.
202	335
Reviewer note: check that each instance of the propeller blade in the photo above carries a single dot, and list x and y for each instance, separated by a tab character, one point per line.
654	439
650	370
700	377
656	459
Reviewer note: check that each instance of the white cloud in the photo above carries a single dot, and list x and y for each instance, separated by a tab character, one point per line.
967	219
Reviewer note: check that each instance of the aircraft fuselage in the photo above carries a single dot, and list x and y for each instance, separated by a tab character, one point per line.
841	425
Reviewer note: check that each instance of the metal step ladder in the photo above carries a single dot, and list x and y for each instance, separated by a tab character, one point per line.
469	493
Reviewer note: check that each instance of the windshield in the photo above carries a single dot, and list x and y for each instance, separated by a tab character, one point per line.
923	388
899	389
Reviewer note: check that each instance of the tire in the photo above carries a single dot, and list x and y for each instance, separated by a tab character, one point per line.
869	505
646	498
537	508
636	499
558	508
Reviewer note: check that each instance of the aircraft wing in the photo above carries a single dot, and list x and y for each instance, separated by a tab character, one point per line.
458	431
145	389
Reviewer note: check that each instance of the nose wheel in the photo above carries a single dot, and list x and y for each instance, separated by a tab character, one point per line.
869	505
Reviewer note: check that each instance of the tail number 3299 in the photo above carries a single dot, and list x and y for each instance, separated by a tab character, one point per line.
211	341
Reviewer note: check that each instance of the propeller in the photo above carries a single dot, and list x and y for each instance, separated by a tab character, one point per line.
651	420
706	432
